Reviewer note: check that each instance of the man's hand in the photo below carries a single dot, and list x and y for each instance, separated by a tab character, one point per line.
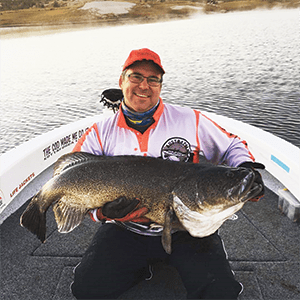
257	179
122	209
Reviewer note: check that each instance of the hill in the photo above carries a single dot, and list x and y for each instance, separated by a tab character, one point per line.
28	15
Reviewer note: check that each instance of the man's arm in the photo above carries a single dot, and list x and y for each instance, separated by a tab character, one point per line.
121	209
220	146
90	142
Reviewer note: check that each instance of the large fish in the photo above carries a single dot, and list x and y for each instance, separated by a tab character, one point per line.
185	196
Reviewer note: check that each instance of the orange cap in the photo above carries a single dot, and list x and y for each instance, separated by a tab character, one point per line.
141	54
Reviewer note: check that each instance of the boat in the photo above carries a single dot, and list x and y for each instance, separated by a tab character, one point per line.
269	227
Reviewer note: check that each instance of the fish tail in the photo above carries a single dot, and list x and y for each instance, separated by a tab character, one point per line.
34	219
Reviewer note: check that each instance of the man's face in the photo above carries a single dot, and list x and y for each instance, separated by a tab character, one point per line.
140	97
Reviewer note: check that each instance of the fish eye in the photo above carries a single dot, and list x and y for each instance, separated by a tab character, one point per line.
229	174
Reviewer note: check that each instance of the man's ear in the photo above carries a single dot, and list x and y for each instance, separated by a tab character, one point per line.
120	81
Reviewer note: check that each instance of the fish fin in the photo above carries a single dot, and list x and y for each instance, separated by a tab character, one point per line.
34	220
70	159
67	216
166	238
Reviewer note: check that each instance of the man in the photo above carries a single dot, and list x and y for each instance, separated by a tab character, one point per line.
122	249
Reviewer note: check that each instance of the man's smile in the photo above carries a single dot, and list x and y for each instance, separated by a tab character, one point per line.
141	95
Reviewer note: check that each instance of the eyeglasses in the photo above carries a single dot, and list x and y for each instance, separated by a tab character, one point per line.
138	78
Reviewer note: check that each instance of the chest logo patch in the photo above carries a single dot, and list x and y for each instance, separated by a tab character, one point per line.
176	149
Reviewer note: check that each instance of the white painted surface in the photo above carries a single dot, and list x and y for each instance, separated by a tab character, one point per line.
22	165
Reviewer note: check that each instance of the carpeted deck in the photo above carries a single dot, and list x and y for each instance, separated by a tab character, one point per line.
263	247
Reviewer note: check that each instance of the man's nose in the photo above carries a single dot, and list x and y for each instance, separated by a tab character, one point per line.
144	84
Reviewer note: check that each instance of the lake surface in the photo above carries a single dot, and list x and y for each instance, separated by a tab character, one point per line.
243	65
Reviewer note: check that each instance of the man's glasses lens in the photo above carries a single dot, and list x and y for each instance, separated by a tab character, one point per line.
151	80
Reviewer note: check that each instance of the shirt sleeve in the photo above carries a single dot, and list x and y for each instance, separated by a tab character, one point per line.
90	142
220	146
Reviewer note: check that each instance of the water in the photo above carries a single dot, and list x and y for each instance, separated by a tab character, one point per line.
243	65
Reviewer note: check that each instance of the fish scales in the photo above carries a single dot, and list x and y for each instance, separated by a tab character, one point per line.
177	195
103	181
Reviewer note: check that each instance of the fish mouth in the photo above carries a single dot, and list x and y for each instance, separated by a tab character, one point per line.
202	224
247	189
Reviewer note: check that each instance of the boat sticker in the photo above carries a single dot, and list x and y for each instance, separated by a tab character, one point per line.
176	149
280	163
21	184
62	143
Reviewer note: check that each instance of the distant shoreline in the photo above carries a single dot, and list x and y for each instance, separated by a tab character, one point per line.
68	15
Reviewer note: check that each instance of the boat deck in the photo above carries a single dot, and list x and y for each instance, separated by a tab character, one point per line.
262	246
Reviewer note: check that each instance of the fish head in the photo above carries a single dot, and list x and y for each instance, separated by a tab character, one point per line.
220	186
203	200
225	186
